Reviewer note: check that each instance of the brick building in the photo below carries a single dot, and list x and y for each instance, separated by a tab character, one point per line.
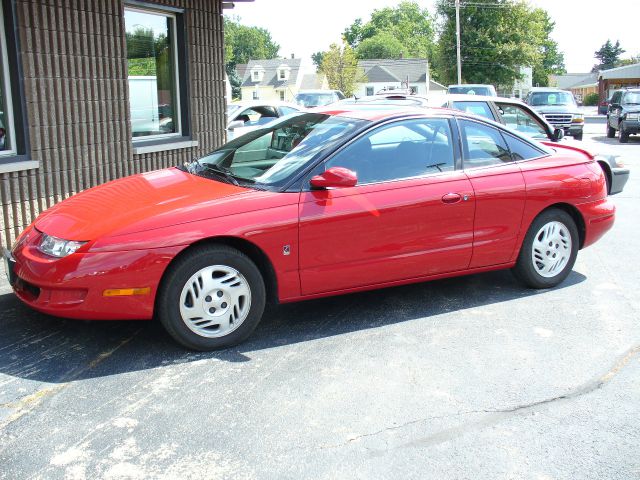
95	90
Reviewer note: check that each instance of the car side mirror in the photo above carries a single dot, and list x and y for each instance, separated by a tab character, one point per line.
558	134
236	124
335	177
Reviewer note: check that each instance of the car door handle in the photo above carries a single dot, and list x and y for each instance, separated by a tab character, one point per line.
451	198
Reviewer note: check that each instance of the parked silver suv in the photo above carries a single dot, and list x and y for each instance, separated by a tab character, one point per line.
559	108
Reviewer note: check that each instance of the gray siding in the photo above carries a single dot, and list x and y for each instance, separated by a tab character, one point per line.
73	56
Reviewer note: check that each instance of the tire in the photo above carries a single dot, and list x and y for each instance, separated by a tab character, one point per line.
578	136
611	132
545	272
624	136
211	297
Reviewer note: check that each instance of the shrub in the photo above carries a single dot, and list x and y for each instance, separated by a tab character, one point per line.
591	100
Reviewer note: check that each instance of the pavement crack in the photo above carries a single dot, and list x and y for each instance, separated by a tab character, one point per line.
493	416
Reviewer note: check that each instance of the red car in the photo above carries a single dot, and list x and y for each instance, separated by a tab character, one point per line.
313	205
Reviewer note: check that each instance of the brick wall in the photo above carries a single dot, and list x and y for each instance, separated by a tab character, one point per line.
73	55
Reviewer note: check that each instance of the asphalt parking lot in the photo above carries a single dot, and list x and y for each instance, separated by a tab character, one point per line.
467	378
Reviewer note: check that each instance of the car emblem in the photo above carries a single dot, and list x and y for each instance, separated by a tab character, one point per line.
286	250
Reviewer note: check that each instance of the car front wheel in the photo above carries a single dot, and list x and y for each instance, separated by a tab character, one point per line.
549	250
624	136
211	297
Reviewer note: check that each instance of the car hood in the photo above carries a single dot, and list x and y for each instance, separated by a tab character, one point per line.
139	203
632	109
555	109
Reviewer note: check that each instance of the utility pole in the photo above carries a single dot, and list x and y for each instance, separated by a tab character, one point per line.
458	41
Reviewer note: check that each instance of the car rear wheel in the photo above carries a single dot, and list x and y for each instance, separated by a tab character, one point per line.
211	297
549	250
611	132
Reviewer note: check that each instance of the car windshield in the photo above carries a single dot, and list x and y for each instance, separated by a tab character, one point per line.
270	156
232	108
470	90
551	98
315	99
631	98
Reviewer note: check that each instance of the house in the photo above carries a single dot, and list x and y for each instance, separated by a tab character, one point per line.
389	74
580	84
275	79
95	90
620	77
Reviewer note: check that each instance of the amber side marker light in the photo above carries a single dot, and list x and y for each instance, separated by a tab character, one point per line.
126	292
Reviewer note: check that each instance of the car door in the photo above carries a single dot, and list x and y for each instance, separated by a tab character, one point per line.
523	120
476	107
410	214
499	190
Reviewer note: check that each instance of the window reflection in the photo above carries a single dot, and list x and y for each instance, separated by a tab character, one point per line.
151	73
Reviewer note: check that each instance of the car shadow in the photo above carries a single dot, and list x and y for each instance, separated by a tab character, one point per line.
633	139
38	347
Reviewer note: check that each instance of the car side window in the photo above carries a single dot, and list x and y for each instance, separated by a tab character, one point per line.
403	149
482	145
519	119
477	108
521	150
287	110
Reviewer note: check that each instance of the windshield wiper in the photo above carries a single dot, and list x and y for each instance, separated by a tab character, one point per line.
222	171
437	165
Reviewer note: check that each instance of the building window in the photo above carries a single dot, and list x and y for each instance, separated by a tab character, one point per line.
282	75
154	84
255	95
282	95
256	75
369	91
7	131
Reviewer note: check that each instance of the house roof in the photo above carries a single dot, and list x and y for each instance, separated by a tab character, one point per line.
378	73
570	80
270	77
312	81
413	68
628	71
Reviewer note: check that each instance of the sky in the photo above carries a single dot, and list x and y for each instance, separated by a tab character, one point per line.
582	26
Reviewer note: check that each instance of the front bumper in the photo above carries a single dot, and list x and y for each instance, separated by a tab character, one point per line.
73	286
619	177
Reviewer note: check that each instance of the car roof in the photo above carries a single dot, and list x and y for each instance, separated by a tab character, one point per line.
318	91
547	89
387	112
471	85
265	103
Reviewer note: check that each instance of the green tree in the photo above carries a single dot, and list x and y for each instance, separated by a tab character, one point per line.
243	43
628	61
407	23
497	38
381	45
316	58
340	66
609	56
551	60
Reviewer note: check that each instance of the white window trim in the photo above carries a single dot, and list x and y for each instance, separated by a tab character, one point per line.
178	119
8	101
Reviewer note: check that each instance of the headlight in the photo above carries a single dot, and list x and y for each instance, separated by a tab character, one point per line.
578	118
631	116
57	247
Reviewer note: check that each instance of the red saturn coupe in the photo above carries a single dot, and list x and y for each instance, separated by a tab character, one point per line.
313	205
